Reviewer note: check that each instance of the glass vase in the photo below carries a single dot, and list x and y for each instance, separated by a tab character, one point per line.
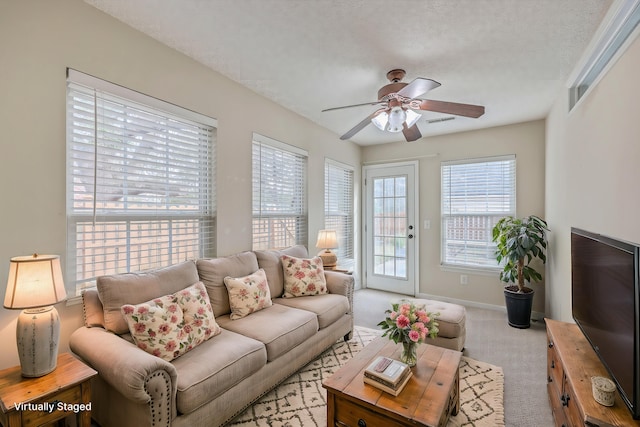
409	353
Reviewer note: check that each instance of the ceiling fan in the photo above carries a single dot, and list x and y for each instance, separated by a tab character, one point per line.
398	100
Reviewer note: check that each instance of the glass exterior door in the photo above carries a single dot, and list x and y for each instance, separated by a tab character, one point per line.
390	232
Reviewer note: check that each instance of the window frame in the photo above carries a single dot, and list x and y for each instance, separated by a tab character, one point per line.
621	29
278	226
346	186
488	263
174	196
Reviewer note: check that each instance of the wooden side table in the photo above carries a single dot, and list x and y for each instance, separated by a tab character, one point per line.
53	397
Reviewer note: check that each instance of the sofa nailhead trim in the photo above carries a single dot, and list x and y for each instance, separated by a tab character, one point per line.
158	398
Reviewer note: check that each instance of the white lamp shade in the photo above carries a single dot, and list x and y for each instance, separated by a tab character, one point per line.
392	121
327	239
397	116
381	120
412	118
34	281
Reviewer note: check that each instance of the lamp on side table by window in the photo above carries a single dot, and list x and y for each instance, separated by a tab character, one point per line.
327	240
35	284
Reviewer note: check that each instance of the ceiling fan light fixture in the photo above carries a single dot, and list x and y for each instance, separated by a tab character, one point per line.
412	118
380	121
397	117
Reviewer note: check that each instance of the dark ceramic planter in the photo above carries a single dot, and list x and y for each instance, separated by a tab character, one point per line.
518	306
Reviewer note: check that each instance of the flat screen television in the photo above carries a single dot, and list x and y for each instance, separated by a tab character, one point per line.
605	297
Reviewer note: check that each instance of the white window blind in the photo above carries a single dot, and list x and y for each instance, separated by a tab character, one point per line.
279	195
475	195
338	207
140	182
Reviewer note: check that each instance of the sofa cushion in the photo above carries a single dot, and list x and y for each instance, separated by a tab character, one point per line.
133	288
212	272
328	307
303	276
278	327
214	366
171	325
270	261
248	294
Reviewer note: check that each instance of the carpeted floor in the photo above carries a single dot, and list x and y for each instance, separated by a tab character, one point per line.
300	401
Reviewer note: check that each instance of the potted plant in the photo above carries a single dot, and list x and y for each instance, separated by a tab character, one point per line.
519	242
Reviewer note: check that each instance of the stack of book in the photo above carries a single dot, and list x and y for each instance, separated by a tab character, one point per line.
387	374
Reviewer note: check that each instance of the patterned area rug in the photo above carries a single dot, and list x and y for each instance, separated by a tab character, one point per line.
300	401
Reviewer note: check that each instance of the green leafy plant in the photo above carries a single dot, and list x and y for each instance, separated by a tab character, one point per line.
519	242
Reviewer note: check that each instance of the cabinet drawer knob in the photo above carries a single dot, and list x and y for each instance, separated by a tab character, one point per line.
362	423
550	344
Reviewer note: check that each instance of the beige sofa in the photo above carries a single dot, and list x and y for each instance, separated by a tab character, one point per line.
210	384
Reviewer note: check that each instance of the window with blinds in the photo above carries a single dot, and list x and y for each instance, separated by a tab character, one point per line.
140	182
279	194
338	207
475	195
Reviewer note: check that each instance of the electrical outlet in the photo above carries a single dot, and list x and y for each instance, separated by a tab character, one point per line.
464	279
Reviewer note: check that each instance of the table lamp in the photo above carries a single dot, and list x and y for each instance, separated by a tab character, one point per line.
327	240
35	284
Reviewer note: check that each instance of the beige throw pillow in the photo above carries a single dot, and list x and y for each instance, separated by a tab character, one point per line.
248	294
303	277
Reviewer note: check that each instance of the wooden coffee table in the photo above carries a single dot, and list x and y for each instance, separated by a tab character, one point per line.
428	399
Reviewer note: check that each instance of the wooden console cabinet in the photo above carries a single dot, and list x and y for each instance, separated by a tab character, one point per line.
571	362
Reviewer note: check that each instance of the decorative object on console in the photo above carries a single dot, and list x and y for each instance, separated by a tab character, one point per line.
410	325
327	240
35	284
604	390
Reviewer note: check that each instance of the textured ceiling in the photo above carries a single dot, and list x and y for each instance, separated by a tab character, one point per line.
512	56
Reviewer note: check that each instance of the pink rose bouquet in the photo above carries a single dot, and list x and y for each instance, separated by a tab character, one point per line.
407	323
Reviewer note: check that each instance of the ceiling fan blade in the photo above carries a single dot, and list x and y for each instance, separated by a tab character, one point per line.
418	87
354	105
363	124
411	133
466	110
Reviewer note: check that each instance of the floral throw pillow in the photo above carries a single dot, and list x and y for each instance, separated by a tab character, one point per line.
303	277
248	294
169	326
199	320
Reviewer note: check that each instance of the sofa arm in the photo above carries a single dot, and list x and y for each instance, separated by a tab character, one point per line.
137	375
342	284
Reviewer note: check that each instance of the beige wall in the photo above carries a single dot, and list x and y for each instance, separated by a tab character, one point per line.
593	170
40	39
526	141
